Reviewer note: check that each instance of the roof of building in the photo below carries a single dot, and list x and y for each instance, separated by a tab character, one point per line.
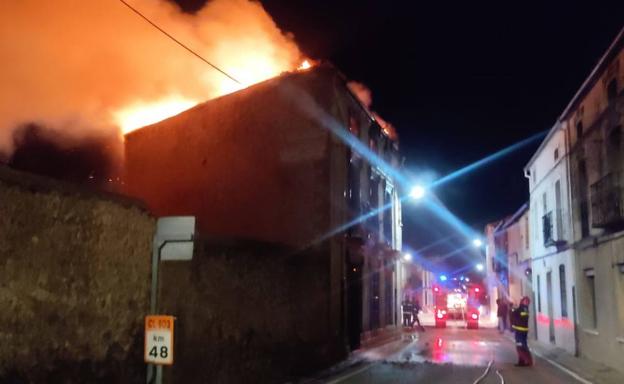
589	82
515	217
605	60
544	142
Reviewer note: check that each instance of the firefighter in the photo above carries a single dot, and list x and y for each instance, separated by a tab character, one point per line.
415	309
407	307
520	325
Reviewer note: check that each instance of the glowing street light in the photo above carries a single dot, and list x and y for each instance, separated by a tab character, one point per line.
417	192
479	267
477	243
443	277
407	257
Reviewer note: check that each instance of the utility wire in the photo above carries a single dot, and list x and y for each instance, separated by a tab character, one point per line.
178	41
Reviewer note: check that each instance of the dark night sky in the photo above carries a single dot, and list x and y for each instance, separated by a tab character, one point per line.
459	81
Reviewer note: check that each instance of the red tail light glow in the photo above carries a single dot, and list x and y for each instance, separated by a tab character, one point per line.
474	316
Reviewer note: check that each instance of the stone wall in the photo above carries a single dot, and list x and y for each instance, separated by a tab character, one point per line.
249	312
74	283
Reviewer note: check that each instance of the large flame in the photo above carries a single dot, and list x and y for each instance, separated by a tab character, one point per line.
139	115
99	63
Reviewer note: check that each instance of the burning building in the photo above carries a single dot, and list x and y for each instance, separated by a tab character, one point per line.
294	160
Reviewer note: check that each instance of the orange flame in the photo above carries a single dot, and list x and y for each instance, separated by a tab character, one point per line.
97	62
305	65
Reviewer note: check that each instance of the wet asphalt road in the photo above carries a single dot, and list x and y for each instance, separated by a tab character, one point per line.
447	356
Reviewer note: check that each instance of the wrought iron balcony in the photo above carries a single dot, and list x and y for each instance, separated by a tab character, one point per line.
606	201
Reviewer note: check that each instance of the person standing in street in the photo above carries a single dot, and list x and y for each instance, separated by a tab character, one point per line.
520	325
501	313
415	309
407	308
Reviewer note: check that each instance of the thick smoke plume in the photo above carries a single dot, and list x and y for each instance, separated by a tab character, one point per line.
80	67
364	94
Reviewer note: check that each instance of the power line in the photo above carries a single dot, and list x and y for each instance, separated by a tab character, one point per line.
178	41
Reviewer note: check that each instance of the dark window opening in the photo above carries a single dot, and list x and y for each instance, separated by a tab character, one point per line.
539	295
591	289
583	197
579	129
614	149
564	292
612	90
556	154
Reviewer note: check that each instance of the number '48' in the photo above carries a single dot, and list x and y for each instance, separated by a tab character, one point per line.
163	352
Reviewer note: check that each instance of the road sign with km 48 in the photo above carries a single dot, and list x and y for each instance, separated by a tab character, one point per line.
159	339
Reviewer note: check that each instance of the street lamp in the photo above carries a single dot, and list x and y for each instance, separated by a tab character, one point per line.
479	267
407	257
417	192
477	243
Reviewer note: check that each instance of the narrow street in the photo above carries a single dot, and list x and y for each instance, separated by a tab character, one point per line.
451	355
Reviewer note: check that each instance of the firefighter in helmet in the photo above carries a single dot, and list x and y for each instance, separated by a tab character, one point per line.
520	325
408	308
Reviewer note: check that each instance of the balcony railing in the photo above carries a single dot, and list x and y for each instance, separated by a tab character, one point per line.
547	229
606	201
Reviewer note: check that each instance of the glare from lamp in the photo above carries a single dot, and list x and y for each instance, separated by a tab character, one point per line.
417	192
479	267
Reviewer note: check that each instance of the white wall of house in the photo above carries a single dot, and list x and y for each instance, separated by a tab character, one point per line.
552	262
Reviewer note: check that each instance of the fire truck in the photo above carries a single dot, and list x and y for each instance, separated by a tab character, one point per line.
461	302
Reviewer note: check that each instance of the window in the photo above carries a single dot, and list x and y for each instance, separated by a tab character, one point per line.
612	90
539	296
556	154
558	213
583	197
563	291
614	149
591	290
579	129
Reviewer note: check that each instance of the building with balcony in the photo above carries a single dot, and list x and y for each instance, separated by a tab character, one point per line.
552	257
295	160
592	124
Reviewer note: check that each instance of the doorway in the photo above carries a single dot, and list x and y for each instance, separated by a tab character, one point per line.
551	314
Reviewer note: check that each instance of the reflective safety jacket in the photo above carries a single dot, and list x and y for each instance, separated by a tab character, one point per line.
408	307
520	319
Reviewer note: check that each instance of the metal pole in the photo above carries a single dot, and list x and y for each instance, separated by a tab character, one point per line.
153	296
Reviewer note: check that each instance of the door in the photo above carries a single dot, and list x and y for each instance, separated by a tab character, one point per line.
551	314
354	304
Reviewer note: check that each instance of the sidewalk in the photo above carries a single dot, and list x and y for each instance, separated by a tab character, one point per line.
587	371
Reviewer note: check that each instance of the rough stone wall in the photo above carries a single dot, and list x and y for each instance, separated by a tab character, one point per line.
74	283
248	312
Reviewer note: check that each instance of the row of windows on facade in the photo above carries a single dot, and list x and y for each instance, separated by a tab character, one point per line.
563	293
611	95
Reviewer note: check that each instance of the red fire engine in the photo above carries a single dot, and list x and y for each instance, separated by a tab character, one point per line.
457	304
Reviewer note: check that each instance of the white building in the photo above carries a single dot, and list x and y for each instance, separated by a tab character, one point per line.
552	258
593	122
